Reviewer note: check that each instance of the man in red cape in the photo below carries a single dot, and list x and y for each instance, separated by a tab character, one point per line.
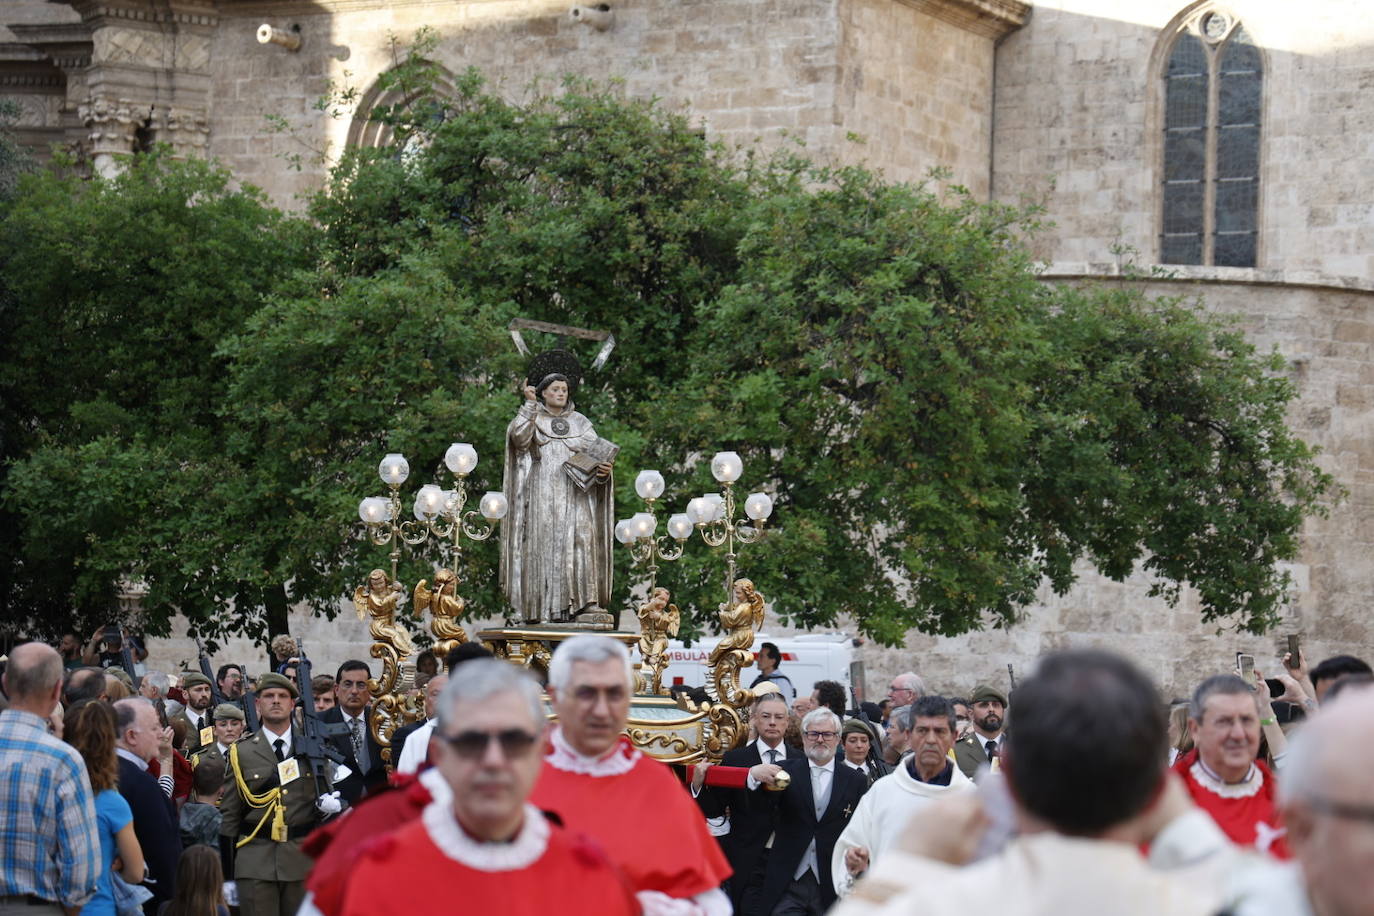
479	837
597	783
1222	773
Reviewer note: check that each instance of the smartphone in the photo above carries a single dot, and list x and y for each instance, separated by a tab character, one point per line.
1246	664
1294	650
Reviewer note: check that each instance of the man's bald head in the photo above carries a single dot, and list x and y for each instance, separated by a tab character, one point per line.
33	678
1325	790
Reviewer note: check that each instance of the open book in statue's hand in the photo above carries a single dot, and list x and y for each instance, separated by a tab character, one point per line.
581	468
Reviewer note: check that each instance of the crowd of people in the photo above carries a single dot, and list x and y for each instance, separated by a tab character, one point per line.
1078	791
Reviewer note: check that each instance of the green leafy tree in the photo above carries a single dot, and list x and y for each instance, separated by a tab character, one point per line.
14	159
943	431
114	297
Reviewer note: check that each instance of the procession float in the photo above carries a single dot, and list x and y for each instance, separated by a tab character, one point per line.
555	518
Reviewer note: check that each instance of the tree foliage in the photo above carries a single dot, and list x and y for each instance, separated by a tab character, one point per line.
943	432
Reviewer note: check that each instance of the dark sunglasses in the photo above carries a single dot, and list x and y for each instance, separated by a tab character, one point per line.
471	745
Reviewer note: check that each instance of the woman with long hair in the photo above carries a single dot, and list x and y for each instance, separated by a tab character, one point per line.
90	728
200	885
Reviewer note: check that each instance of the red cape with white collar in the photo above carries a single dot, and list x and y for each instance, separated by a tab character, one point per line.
636	809
1247	814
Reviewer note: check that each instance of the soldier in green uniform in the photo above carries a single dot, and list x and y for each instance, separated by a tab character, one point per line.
196	715
270	803
228	727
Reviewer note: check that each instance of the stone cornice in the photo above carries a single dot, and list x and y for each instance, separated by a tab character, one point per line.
992	18
1228	276
181	12
67	44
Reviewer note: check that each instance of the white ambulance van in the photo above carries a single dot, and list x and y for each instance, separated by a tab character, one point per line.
806	659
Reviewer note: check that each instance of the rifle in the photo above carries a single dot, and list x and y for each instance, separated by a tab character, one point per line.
126	659
208	670
250	711
312	740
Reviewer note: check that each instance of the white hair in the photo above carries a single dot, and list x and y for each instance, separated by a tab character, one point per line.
588	648
815	716
482	678
913	680
159	682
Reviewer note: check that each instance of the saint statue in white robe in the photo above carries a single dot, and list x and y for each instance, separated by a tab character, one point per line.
556	539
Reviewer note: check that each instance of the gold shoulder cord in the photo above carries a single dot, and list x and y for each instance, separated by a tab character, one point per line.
270	798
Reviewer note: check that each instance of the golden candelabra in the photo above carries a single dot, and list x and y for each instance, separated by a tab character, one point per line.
714	514
440	514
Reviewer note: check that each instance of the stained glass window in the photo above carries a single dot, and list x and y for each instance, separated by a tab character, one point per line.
1212	102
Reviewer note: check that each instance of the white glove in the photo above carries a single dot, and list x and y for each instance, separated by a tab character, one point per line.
231	893
329	804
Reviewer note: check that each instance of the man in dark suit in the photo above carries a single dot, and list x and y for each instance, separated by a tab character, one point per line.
809	816
362	753
750	821
139	738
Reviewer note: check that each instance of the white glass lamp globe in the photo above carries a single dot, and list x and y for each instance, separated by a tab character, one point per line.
494	505
726	467
394	469
680	526
699	510
622	531
429	502
460	458
649	484
758	506
374	510
643	525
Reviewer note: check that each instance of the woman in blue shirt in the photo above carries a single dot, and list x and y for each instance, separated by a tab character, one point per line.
90	728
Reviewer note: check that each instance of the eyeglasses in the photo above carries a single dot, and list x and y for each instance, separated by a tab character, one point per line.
895	689
472	745
1340	809
822	736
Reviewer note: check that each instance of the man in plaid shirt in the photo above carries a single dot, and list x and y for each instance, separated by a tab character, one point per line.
49	847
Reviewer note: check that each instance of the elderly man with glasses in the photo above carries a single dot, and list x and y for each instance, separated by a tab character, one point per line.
480	838
598	783
811	813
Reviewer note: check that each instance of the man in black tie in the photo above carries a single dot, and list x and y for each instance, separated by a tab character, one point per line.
808	817
748	823
199	721
362	753
984	744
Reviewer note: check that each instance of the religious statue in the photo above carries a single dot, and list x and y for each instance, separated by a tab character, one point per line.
379	600
658	621
445	607
556	539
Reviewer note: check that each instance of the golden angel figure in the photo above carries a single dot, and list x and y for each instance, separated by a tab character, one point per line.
445	605
658	622
740	620
379	600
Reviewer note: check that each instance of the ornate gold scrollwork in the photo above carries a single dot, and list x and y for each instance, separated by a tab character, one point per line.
379	600
739	620
658	621
726	711
445	606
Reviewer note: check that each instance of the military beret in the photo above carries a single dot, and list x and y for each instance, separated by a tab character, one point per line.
857	727
195	679
227	711
272	679
987	692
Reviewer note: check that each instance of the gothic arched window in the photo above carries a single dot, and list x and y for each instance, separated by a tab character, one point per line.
1212	89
